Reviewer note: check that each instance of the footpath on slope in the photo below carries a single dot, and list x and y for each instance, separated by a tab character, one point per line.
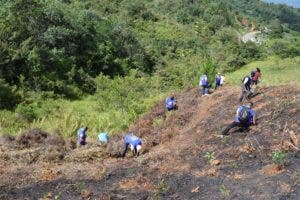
172	165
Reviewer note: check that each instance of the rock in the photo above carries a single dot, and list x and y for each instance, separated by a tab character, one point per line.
215	162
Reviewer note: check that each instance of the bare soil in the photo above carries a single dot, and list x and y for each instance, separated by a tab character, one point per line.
39	165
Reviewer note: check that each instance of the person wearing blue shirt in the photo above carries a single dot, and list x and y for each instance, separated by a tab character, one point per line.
218	81
133	142
249	120
204	84
171	103
82	135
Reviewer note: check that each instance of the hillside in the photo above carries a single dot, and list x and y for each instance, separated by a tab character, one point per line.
172	165
105	63
293	3
275	72
110	64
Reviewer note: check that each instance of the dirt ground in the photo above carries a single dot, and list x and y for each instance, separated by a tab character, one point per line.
174	163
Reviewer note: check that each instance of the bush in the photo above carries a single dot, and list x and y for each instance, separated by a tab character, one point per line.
278	157
284	49
9	98
209	68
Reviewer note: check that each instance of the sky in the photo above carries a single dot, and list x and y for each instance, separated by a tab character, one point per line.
294	3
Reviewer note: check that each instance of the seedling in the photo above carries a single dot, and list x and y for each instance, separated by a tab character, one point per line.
234	165
80	186
140	159
278	158
157	122
224	190
210	156
226	139
160	188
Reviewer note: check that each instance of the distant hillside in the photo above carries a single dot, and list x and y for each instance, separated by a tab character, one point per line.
294	3
124	54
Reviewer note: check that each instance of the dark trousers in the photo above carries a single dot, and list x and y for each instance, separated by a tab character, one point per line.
124	149
246	93
173	108
205	89
232	125
217	85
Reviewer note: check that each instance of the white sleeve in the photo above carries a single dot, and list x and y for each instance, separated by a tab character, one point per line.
246	80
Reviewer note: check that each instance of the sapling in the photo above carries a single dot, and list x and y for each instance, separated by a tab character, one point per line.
210	156
278	158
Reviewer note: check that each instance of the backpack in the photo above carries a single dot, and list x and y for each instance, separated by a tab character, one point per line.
249	79
244	114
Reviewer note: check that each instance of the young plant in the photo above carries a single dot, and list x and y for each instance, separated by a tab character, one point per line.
210	156
140	159
160	188
278	158
224	190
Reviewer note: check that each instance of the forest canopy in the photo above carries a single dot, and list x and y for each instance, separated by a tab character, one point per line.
62	45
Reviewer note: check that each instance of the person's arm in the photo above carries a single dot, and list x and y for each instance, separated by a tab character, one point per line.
244	83
254	119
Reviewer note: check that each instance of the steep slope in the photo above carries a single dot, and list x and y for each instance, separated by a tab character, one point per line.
173	165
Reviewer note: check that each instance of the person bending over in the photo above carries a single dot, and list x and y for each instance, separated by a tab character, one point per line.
132	142
244	118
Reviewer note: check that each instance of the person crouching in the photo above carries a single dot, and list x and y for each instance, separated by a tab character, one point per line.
132	142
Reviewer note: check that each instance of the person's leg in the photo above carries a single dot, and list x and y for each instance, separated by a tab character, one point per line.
243	127
175	107
230	126
249	94
124	150
203	89
242	95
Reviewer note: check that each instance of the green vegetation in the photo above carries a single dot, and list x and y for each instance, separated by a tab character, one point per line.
68	63
224	190
210	156
278	157
275	71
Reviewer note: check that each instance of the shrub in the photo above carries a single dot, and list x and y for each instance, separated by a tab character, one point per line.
278	157
8	96
209	68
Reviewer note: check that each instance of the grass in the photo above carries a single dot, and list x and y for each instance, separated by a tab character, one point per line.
70	115
120	102
275	71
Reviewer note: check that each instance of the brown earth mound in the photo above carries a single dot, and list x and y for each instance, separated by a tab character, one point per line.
184	155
